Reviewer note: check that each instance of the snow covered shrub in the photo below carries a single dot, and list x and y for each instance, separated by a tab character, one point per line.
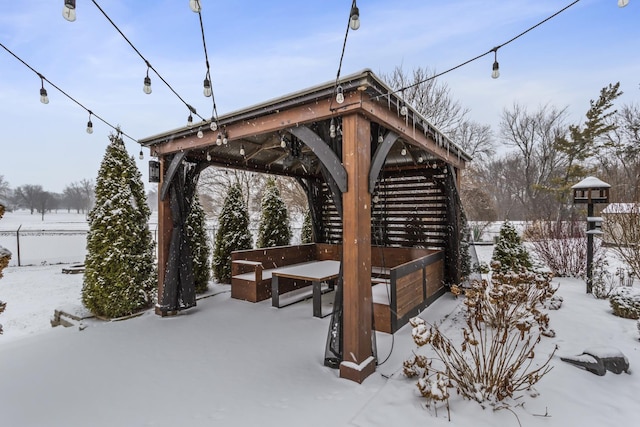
306	236
625	302
562	245
603	281
5	256
622	228
274	228
494	360
120	275
233	233
509	252
196	231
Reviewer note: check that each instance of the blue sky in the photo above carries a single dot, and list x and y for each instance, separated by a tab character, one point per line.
259	50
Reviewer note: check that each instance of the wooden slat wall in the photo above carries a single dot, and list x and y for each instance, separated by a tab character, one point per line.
435	277
408	292
411	210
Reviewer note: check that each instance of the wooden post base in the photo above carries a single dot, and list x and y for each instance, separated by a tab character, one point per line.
358	372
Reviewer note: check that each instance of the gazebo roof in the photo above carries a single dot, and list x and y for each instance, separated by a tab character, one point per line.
590	182
259	130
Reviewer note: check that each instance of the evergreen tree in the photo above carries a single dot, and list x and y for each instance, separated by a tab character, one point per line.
233	233
509	251
120	275
196	229
274	229
306	236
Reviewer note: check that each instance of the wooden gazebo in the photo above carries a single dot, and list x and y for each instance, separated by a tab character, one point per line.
374	171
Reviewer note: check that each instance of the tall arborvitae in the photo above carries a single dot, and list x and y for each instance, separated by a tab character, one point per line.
196	229
120	274
274	229
233	233
509	251
306	236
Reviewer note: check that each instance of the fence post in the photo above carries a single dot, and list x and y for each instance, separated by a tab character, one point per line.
18	243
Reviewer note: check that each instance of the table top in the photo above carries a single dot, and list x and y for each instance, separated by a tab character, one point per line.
314	270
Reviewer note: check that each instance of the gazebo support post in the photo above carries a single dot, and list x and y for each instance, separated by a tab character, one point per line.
165	227
358	361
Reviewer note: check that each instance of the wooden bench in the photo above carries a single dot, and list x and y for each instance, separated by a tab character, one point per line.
413	279
251	270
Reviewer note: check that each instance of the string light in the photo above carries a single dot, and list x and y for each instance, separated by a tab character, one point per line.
283	142
147	82
207	86
332	129
339	95
242	152
354	17
214	125
403	151
623	3
225	141
141	155
495	73
219	139
200	134
195	5
89	124
208	156
43	92
190	120
69	10
404	110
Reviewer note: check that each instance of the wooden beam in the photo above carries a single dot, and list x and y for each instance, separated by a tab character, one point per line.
358	361
378	112
379	157
272	122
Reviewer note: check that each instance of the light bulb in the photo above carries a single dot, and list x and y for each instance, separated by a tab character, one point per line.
89	127
213	126
354	20
147	85
380	139
242	152
43	96
141	155
283	142
332	129
208	156
404	110
69	10
190	120
623	3
200	134
495	73
219	139
376	199
207	88
420	159
339	95
225	141
403	151
195	5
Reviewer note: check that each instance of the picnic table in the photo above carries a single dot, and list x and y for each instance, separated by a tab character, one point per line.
316	272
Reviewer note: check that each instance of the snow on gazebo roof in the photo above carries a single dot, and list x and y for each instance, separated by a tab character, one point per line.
591	182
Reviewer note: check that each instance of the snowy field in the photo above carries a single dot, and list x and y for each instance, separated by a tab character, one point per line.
234	363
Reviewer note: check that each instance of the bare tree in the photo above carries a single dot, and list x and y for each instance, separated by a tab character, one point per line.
27	196
475	139
5	190
534	136
622	230
431	98
79	195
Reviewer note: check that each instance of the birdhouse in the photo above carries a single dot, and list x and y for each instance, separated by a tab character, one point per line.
591	190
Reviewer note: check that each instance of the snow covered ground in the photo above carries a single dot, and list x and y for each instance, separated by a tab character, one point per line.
234	363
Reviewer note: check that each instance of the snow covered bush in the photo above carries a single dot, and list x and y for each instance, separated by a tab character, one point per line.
504	323
625	302
562	245
196	231
120	274
274	228
509	252
5	256
233	233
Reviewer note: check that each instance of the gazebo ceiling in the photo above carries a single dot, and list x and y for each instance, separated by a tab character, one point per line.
261	137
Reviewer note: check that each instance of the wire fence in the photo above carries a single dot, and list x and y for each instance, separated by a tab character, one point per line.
69	246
